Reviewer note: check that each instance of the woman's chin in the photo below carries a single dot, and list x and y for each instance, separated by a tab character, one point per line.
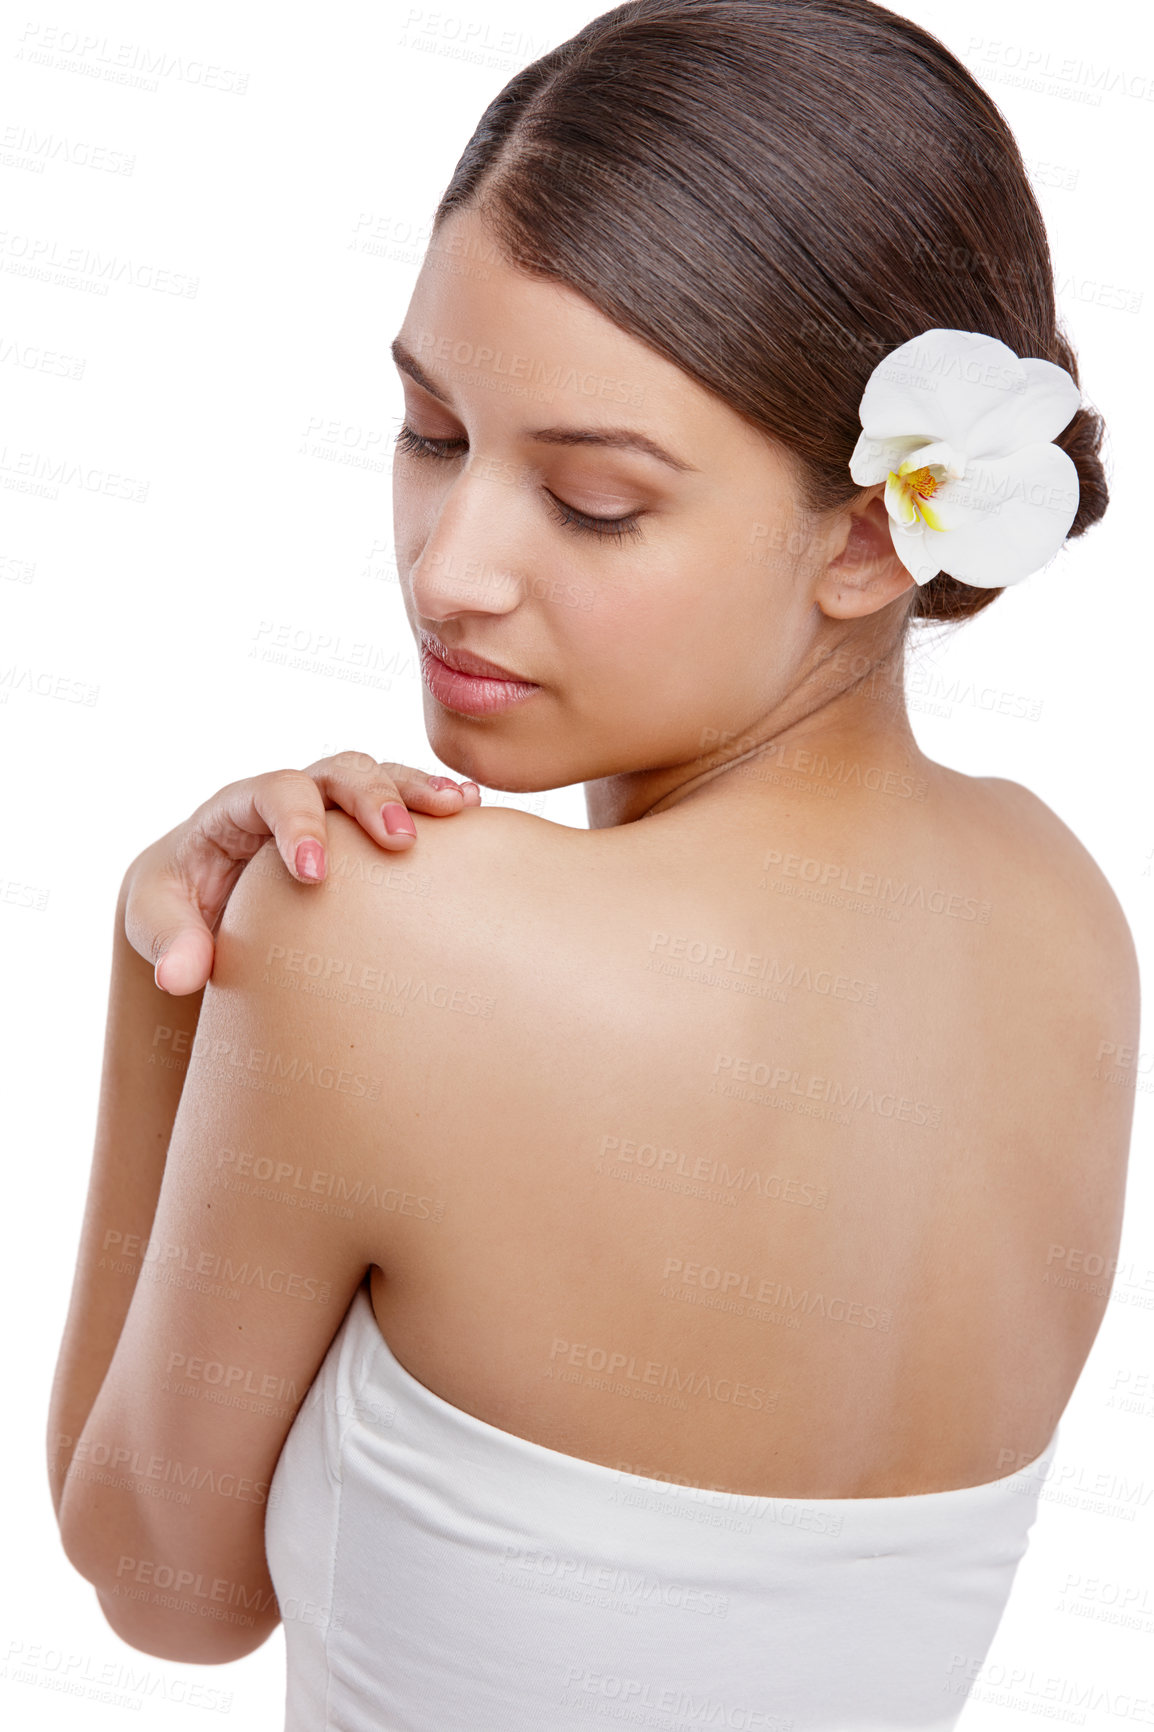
496	770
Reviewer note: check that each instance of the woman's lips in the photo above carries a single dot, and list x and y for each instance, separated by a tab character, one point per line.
471	694
463	661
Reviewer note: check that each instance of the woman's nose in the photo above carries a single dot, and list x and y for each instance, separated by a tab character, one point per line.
449	580
470	560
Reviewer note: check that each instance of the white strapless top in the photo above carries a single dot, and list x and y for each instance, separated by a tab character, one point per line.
438	1574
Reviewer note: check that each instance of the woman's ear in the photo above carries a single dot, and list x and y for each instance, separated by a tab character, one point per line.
865	574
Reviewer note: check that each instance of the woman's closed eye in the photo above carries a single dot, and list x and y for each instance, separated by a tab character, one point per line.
614	528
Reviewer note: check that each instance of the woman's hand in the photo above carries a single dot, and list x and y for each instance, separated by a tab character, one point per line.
175	890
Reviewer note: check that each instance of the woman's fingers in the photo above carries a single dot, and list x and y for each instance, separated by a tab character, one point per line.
176	889
378	795
290	806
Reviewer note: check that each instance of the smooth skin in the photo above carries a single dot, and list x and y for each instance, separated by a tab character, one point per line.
178	886
802	1070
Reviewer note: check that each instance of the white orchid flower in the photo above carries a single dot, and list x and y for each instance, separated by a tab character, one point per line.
960	430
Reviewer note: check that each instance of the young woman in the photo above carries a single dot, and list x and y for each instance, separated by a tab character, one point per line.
614	1270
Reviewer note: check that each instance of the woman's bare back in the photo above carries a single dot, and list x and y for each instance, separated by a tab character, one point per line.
761	1144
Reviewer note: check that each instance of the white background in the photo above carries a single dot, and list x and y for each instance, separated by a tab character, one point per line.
157	610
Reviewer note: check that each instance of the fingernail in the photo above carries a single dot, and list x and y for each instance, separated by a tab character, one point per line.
440	782
162	964
397	819
474	787
310	860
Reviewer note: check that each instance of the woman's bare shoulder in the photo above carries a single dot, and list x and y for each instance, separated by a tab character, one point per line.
472	918
482	830
477	867
487	847
1059	875
1027	817
1022	806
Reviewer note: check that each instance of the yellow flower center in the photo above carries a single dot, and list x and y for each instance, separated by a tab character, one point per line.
909	491
923	483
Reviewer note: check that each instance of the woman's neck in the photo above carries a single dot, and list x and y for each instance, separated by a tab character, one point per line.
832	725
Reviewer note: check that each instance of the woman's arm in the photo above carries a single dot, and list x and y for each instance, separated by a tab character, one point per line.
147	1038
177	1396
173	896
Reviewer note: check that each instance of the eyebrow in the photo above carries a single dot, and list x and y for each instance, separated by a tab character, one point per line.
620	438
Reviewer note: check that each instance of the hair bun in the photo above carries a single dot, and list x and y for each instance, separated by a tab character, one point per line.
1082	441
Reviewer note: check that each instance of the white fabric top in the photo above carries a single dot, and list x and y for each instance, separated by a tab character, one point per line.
438	1574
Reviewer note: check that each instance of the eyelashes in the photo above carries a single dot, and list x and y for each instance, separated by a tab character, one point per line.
604	528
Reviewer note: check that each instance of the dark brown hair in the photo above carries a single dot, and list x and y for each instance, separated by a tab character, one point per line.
774	194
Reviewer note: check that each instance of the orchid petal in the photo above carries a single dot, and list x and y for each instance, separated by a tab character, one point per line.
1004	521
930	383
940	452
969	390
1039	412
873	459
921	564
899	505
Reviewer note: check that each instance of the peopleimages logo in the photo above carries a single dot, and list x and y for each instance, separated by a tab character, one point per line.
855	882
114	62
1075	79
483	358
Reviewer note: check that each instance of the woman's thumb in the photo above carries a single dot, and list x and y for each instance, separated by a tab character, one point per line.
185	964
